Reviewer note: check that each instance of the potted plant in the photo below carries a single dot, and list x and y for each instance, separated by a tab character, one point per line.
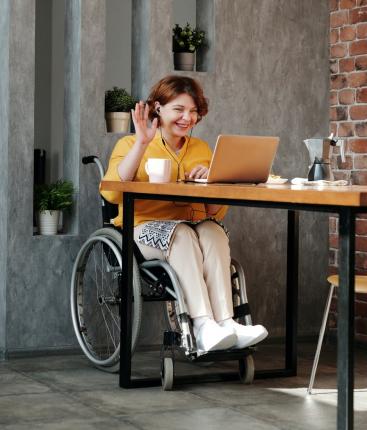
185	42
118	105
49	200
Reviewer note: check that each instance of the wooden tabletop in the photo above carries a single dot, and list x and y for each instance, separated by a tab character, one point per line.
353	195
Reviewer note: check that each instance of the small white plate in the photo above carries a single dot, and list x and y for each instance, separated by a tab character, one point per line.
276	181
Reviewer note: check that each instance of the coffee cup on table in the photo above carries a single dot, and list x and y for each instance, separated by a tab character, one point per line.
158	170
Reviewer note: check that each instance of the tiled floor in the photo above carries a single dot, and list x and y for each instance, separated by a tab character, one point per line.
65	392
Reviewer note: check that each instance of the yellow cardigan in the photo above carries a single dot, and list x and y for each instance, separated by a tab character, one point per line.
194	151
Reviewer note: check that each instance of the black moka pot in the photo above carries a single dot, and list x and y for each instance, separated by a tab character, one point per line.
320	170
320	151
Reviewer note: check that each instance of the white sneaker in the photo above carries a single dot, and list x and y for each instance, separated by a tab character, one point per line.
247	335
211	336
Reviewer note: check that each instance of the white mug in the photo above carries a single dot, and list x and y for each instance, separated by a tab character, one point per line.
158	169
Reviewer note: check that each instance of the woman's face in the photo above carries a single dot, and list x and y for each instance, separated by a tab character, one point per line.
178	116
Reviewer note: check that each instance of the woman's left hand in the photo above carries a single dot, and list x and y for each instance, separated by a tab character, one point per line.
198	172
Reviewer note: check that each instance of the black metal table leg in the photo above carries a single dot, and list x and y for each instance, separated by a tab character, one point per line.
292	293
345	416
290	368
126	289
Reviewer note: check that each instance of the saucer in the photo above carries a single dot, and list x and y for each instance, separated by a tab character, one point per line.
276	181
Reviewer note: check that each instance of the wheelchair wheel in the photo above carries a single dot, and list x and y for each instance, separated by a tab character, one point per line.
246	369
167	373
95	299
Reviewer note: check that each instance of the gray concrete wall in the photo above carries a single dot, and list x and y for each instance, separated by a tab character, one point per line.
118	44
4	134
184	12
119	33
57	91
49	84
267	74
42	102
20	166
39	267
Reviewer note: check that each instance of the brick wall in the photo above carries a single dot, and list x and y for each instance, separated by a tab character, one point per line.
348	119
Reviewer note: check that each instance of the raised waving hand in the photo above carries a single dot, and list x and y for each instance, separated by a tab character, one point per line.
144	133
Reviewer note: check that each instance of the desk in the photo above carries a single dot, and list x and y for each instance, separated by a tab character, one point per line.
345	201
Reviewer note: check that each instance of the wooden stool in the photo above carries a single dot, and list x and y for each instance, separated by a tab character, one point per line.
360	286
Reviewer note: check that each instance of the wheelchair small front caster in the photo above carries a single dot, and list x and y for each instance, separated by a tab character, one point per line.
167	373
246	369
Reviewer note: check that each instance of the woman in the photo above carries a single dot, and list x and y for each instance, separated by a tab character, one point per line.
187	236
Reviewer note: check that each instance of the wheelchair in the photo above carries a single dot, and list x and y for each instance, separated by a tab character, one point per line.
95	303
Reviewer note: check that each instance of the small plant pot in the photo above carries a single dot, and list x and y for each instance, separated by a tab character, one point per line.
117	122
184	60
48	222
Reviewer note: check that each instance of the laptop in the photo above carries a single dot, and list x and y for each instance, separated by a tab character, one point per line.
241	159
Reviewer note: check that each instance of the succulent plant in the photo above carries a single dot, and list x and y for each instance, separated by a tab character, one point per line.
187	39
118	100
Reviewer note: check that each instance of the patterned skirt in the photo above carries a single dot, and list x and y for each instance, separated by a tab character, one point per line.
159	234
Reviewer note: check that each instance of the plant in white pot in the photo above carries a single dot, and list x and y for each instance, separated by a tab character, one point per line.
118	105
185	42
49	201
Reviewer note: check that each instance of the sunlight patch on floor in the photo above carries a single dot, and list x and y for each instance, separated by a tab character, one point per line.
326	396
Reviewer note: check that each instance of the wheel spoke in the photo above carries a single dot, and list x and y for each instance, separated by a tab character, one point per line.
95	271
113	316
108	329
102	271
112	257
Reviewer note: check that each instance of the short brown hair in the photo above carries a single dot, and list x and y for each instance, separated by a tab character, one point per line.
172	86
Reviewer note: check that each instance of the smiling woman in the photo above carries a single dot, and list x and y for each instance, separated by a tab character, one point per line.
178	104
185	235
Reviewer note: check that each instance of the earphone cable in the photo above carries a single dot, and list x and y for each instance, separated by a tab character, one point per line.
171	154
178	172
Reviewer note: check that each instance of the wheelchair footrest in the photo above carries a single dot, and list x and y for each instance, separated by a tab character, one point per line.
225	355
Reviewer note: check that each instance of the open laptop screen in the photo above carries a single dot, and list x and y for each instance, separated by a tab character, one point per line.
239	159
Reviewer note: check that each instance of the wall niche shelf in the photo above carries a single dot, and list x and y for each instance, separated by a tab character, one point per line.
199	14
191	73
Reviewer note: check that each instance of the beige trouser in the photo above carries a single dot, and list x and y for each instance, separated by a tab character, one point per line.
200	256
